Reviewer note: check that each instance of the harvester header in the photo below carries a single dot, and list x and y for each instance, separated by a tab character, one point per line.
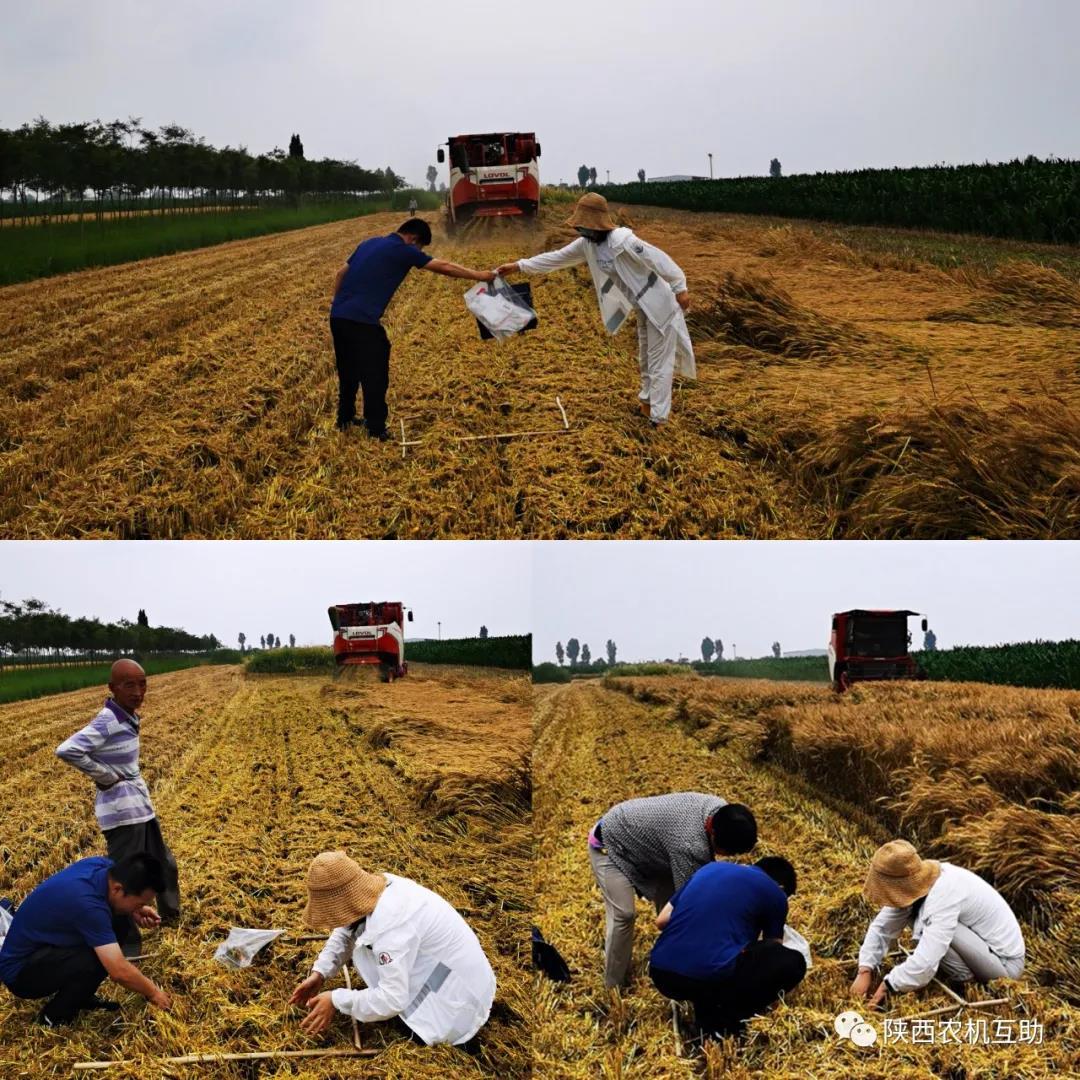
372	633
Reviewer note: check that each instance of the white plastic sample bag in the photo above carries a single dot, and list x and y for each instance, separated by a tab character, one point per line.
794	940
240	947
5	923
499	308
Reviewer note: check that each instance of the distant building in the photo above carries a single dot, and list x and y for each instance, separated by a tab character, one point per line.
672	179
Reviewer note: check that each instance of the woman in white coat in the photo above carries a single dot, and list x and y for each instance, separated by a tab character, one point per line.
963	928
629	275
418	957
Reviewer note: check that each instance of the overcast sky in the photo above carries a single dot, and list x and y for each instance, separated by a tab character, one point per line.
275	587
657	598
616	84
654	598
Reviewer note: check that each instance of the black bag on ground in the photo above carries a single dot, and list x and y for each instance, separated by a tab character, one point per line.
546	958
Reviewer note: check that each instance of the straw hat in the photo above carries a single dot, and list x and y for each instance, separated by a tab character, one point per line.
339	892
592	212
898	877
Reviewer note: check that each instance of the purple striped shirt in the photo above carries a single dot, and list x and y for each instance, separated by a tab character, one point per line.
107	750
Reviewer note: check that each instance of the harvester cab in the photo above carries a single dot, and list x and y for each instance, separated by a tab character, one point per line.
871	646
371	634
492	176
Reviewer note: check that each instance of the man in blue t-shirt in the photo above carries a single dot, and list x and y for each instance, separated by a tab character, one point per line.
67	936
363	288
721	943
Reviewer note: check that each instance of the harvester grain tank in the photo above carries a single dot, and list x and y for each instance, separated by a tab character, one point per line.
371	634
491	176
870	646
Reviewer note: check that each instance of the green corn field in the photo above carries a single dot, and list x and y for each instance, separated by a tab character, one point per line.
1025	200
1033	663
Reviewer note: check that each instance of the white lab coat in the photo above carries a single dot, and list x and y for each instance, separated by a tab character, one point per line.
643	270
419	960
958	897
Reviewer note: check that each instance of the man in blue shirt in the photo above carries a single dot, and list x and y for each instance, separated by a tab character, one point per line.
721	943
363	289
66	936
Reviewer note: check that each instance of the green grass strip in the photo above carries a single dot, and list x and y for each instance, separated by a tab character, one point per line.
36	251
21	684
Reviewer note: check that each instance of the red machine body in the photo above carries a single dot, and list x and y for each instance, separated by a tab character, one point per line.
493	175
371	633
871	646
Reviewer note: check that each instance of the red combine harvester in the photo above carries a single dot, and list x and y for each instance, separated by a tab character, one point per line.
492	176
870	646
370	634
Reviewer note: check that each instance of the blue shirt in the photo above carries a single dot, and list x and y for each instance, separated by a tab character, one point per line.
69	909
376	268
723	908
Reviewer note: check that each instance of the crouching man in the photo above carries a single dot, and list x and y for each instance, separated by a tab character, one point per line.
963	928
68	935
721	945
418	957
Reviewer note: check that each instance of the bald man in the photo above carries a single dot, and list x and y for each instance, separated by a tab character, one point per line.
107	750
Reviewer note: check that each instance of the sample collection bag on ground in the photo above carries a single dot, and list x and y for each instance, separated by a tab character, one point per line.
239	949
501	309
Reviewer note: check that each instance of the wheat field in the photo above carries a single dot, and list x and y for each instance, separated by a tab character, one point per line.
841	393
601	742
252	776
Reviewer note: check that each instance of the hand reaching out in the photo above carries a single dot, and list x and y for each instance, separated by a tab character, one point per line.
507	268
307	989
146	917
320	1014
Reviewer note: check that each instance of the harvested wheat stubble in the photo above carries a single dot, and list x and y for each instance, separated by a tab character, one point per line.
596	746
228	355
983	774
268	772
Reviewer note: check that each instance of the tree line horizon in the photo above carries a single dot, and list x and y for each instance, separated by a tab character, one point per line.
122	163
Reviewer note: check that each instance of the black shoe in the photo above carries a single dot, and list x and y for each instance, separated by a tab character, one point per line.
344	425
382	436
95	1002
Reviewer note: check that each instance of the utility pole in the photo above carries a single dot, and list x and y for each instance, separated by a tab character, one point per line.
440	631
608	171
710	167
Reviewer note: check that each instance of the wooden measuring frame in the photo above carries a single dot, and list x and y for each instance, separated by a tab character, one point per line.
405	442
262	1055
960	1002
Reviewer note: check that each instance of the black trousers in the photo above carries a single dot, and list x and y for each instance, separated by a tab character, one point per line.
146	837
68	975
763	971
363	360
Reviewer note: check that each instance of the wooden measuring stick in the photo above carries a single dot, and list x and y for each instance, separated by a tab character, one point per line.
956	1008
948	989
509	435
210	1059
675	1028
558	401
355	1025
